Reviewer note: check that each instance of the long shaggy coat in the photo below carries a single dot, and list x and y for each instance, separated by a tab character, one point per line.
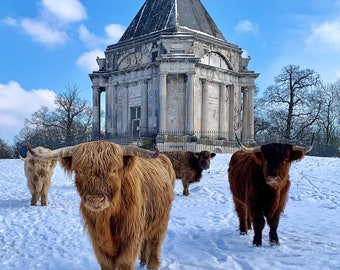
38	174
189	166
125	203
259	183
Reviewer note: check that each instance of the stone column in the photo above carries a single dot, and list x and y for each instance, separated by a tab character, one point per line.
162	102
205	107
125	112
248	114
96	113
244	114
153	103
144	107
223	122
190	103
114	103
231	118
109	112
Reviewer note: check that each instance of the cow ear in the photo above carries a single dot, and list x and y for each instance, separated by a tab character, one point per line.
296	155
129	162
66	163
212	155
197	155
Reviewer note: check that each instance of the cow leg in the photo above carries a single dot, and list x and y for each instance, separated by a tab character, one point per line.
43	199
154	256
185	188
34	199
273	225
44	192
249	221
258	225
242	216
144	254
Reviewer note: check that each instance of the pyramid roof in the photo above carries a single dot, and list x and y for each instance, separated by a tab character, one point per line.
171	16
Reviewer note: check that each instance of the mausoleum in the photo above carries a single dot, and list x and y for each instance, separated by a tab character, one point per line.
173	71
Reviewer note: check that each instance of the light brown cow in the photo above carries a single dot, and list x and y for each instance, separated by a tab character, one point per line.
189	166
38	174
125	200
259	183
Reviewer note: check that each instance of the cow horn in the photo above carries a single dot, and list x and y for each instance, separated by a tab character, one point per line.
304	150
139	152
21	157
57	153
256	149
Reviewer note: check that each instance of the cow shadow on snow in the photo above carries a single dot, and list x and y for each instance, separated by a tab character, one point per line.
15	203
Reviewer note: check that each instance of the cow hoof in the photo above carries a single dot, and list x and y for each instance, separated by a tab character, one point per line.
274	243
257	243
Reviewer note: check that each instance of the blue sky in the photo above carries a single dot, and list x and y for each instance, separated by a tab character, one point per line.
47	44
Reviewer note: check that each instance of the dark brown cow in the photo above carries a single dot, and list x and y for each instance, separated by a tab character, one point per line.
189	166
259	183
125	200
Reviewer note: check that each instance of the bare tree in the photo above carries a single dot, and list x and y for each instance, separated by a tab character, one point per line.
292	105
329	120
73	115
71	120
6	151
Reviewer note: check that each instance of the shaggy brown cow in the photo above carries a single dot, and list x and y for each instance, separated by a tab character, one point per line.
259	183
125	200
189	166
38	174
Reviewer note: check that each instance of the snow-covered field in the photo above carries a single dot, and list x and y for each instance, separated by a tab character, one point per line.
202	232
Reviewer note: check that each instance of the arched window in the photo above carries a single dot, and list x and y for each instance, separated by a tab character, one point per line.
216	59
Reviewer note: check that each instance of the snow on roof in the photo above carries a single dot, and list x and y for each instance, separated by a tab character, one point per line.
168	16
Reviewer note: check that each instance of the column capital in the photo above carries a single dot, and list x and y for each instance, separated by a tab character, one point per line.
204	82
248	88
163	73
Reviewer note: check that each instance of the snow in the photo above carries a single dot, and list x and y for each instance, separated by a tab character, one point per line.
202	231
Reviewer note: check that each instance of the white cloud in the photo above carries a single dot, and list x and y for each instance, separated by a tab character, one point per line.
114	32
50	24
246	26
88	62
10	21
326	35
16	104
90	39
43	33
65	10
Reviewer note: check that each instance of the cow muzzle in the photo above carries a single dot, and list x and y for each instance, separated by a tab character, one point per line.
273	181
96	202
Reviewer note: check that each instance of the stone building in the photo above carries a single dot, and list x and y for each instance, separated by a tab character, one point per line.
173	71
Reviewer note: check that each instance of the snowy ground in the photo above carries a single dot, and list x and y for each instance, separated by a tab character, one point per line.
202	232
